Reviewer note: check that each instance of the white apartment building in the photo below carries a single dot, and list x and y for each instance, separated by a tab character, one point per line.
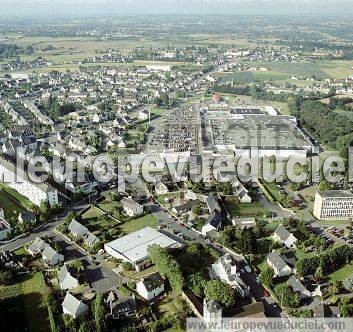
333	205
18	180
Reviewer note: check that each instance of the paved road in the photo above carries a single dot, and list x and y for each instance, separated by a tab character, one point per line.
271	307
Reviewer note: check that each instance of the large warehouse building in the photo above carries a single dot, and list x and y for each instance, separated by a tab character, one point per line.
132	248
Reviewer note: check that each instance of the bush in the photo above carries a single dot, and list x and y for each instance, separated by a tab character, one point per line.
127	266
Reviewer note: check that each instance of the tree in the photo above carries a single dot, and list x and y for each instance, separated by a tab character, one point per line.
287	297
5	277
319	274
127	266
266	277
197	283
197	210
99	313
334	288
246	242
221	292
348	283
167	266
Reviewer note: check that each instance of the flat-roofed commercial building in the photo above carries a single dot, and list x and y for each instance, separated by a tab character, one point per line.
333	205
132	248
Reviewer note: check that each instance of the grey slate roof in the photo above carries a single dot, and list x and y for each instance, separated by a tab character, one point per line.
153	281
129	203
282	232
297	286
73	305
37	245
214	219
212	203
77	228
277	260
49	253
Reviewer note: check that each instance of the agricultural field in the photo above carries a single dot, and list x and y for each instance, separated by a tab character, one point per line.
321	69
24	304
242	77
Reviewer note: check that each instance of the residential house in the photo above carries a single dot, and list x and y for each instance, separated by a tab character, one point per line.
227	270
5	229
212	224
76	229
66	277
282	235
132	208
186	207
36	247
161	188
51	257
28	218
280	267
121	305
73	307
151	286
298	287
82	232
244	223
144	115
212	311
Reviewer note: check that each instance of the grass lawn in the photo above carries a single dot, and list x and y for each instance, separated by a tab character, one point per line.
24	304
236	209
347	114
300	254
157	111
148	220
334	223
93	212
10	207
273	190
172	303
15	196
108	205
161	198
342	273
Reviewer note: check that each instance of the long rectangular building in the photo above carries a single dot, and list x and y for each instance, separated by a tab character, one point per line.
333	205
18	179
132	248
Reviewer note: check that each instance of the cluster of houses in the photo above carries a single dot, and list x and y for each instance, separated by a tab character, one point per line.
283	267
50	256
80	232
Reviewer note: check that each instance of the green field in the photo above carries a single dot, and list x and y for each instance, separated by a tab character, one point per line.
302	69
24	304
148	220
239	77
271	75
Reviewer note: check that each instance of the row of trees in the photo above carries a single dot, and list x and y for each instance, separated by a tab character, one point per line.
167	266
329	260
